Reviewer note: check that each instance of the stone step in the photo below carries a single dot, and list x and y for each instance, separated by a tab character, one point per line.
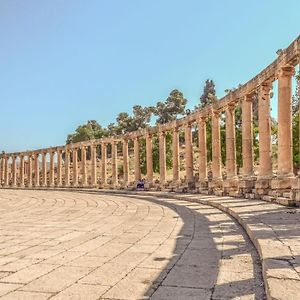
272	193
285	201
268	198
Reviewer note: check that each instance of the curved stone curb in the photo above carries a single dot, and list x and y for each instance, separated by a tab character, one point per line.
274	231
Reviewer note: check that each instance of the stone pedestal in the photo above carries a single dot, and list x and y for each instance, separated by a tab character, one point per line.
295	195
246	185
231	186
282	184
263	186
216	187
201	186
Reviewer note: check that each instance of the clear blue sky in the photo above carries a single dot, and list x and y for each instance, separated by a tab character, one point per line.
63	62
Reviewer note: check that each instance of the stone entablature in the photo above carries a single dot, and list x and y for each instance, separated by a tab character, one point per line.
282	69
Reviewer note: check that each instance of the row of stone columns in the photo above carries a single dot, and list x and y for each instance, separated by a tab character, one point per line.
285	163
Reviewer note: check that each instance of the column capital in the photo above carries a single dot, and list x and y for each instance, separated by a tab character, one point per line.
265	89
188	124
230	107
248	97
202	118
286	71
215	113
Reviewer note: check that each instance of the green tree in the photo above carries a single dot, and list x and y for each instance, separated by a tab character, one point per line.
173	106
91	130
209	94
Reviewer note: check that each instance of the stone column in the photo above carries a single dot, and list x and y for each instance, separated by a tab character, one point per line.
230	142
114	156
264	127
162	157
2	170
137	169
44	169
94	165
6	170
202	149
75	166
216	146
125	163
175	156
149	158
14	171
59	168
67	167
188	153
36	170
51	175
285	141
83	166
247	136
21	170
29	175
103	163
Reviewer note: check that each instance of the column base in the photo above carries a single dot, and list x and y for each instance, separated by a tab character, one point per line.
231	186
295	192
246	185
202	185
263	185
216	187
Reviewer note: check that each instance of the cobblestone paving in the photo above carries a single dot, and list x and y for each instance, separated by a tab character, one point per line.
68	245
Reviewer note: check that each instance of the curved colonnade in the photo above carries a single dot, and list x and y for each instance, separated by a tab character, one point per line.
25	170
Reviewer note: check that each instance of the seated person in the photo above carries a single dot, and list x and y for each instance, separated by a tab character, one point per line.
140	184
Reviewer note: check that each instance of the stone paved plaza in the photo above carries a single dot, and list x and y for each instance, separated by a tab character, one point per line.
72	245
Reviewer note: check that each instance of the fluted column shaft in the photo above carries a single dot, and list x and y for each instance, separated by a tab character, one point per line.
103	163
67	167
75	166
51	174
125	162
175	156
83	166
216	146
14	171
202	149
137	169
21	170
6	177
114	155
188	153
2	170
264	127
285	141
162	157
247	136
29	174
44	169
230	142
149	158
94	166
59	167
36	170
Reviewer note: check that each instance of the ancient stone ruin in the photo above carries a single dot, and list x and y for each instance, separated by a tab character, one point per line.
24	170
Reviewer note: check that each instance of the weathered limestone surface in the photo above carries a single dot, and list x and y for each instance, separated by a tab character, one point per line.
67	245
267	183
